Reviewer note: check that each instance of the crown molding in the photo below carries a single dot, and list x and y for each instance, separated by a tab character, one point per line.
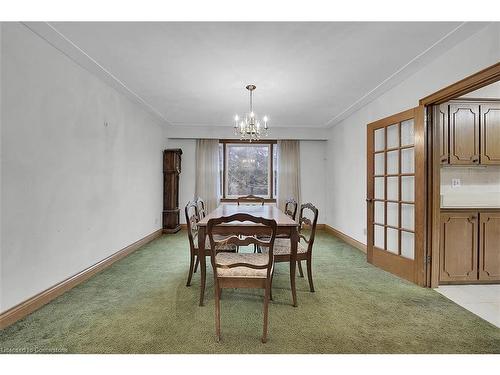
460	33
52	36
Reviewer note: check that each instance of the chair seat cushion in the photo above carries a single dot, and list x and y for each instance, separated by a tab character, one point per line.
282	246
256	259
224	247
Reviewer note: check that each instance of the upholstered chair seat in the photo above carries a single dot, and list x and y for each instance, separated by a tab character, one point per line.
256	259
282	246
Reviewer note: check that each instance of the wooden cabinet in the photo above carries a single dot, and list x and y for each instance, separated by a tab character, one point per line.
171	172
489	246
442	121
458	246
464	133
490	133
469	246
469	132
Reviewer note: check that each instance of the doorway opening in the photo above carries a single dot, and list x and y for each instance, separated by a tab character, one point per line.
404	218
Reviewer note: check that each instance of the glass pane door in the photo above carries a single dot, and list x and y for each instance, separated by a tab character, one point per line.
394	182
395	214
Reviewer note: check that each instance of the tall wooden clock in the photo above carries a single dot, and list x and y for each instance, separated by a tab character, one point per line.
171	172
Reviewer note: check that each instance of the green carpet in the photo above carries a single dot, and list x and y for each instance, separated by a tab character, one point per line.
141	305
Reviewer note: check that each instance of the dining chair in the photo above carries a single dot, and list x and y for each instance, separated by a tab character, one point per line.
200	206
307	231
242	270
291	211
250	199
291	208
200	213
192	220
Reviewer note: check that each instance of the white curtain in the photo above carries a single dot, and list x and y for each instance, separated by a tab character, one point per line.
288	171
207	172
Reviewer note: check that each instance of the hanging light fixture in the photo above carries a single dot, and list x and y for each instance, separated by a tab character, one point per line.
249	127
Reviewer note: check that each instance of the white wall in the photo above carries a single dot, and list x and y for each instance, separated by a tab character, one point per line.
312	173
73	191
346	148
313	176
487	92
223	132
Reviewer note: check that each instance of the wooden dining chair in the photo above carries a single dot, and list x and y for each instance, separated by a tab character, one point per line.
241	270
200	213
192	220
291	211
250	199
307	231
200	206
291	208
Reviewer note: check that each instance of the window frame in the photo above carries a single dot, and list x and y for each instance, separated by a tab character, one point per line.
271	144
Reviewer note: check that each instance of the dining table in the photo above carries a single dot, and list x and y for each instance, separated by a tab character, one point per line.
285	225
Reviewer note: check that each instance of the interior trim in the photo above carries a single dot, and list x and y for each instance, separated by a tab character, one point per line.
59	41
470	83
452	38
34	303
344	237
56	38
473	82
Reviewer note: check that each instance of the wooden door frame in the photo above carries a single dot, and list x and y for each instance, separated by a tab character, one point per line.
471	83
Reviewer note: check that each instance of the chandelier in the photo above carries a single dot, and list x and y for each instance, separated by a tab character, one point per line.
250	127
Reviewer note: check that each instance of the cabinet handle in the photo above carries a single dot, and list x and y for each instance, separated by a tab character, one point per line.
472	218
475	159
444	159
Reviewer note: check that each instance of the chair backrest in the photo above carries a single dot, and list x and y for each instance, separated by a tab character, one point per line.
269	234
250	199
191	212
200	206
291	208
308	210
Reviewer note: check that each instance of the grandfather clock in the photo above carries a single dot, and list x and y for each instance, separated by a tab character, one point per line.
171	171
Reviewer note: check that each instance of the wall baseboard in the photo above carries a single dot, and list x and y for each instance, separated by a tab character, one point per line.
344	237
34	303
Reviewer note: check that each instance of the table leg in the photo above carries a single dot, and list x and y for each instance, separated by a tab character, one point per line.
203	263
294	238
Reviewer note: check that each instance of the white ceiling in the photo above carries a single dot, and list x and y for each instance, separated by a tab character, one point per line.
307	74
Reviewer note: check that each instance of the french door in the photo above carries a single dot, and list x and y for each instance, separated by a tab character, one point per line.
396	194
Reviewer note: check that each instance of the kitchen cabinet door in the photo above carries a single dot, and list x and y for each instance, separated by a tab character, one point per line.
489	246
490	133
458	246
464	133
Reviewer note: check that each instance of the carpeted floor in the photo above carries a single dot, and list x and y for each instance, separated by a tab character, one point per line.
141	305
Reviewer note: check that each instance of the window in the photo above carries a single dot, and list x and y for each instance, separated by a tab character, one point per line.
247	168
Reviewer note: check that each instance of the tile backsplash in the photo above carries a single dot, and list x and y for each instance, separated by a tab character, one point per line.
470	186
475	179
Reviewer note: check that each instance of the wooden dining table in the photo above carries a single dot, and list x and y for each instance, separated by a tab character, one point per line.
285	226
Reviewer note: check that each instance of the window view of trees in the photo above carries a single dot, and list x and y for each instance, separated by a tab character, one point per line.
248	170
